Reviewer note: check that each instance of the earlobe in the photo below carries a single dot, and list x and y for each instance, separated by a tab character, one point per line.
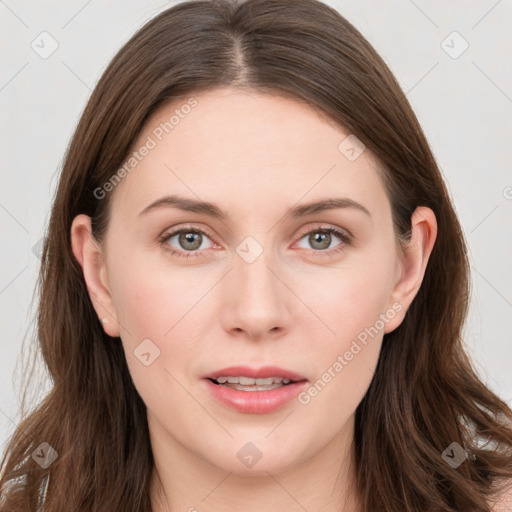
414	261
90	257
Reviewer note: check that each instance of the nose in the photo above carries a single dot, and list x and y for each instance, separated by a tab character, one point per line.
256	299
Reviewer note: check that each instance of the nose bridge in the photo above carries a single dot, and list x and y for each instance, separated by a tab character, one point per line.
257	295
252	269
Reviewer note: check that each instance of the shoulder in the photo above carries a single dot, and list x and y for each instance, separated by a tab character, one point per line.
503	502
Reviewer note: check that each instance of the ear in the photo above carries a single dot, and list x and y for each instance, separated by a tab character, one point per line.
91	259
413	263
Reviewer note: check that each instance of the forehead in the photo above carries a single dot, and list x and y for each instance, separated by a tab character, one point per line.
247	149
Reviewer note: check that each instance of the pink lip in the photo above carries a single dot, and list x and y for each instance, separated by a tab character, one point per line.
255	402
255	373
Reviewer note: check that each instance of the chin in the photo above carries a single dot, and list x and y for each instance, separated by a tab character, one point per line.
254	459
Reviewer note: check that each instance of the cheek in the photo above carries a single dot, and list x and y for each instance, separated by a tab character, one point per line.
352	298
156	333
344	363
353	303
162	304
151	295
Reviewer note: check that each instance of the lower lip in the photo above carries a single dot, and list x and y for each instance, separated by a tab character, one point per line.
255	402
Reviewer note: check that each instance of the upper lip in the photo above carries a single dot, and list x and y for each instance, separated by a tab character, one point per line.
255	373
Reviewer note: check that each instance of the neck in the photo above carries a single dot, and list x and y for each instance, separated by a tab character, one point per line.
181	481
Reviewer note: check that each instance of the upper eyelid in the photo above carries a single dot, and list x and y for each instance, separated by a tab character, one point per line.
173	232
326	226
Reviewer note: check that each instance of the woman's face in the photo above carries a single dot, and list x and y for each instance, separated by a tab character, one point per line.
254	281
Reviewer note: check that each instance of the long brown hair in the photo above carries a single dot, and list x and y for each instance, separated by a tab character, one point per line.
424	395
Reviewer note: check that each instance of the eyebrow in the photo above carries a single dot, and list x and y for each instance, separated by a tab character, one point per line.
212	210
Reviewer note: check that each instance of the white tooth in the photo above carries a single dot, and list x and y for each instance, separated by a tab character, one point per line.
247	381
253	388
233	380
221	380
263	382
286	381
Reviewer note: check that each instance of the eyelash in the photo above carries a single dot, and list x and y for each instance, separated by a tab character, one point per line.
344	237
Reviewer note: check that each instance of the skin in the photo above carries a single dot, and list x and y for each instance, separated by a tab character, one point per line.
299	305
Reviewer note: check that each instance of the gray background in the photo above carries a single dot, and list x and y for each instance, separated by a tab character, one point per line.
463	101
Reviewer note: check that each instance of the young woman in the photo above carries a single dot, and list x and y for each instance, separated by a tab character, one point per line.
253	287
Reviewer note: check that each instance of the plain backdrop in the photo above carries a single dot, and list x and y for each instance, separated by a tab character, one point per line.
452	58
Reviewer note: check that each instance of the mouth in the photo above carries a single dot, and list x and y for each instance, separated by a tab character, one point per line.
256	391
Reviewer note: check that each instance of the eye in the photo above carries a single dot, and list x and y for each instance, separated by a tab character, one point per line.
188	242
321	238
